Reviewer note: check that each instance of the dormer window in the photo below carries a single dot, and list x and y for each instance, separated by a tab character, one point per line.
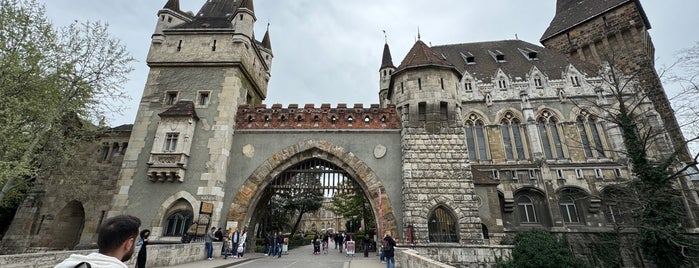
468	86
575	81
497	55
502	84
537	82
532	55
468	58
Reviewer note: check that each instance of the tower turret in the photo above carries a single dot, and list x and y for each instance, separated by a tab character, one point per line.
244	19
267	48
169	16
385	73
424	89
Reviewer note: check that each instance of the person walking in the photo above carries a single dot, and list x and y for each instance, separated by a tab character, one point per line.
209	243
236	241
116	241
280	242
241	244
389	250
273	244
141	244
366	244
219	237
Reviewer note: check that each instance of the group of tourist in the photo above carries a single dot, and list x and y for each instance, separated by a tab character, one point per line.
234	242
273	244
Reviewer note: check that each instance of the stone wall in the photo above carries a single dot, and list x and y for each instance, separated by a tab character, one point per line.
458	256
158	255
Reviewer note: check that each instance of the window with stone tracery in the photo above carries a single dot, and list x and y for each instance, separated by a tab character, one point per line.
512	134
549	133
171	142
590	135
475	138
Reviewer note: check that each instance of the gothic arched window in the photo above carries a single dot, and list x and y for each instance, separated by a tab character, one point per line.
475	138
550	135
590	135
178	222
512	137
569	211
526	210
442	226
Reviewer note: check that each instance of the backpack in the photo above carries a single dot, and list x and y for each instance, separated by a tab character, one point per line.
388	247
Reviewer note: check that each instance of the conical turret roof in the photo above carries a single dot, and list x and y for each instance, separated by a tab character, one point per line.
422	55
266	43
248	4
172	5
387	60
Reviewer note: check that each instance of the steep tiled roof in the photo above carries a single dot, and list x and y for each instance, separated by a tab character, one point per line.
422	55
570	13
248	4
515	61
214	14
387	61
172	5
181	108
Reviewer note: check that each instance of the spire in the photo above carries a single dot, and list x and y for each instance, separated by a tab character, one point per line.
172	5
387	60
248	4
266	43
421	55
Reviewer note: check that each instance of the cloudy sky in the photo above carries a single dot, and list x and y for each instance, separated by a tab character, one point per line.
330	51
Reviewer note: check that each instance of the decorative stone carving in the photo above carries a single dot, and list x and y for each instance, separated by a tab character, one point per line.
379	151
249	151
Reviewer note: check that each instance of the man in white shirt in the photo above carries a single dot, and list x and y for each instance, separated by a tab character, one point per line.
116	241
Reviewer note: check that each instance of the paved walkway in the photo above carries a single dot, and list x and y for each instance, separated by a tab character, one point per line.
297	258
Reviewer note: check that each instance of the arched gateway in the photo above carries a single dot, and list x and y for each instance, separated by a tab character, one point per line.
252	191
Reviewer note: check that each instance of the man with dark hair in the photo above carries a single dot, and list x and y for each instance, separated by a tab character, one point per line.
116	241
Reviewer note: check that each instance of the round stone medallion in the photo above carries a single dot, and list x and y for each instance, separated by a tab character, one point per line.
379	151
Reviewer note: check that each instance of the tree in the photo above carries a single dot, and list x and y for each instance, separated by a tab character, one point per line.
657	187
538	248
352	204
305	195
48	76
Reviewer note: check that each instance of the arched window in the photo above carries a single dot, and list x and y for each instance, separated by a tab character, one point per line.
512	137
589	135
475	138
178	222
525	208
569	211
550	135
442	227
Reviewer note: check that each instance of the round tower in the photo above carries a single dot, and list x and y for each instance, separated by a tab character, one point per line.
244	19
169	16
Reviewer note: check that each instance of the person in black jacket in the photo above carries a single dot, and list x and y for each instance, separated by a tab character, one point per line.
389	250
143	240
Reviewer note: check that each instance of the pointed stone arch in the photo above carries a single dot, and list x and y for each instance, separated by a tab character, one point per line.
67	227
252	190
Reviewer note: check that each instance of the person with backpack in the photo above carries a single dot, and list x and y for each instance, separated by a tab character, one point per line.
389	250
116	241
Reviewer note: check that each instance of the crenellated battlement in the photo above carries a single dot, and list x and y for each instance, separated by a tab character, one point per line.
310	117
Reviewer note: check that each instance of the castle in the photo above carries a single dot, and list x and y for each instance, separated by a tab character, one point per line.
469	142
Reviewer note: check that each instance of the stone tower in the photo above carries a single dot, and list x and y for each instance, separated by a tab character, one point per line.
201	68
437	181
614	31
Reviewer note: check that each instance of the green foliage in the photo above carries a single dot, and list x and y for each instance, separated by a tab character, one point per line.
52	79
305	196
353	205
539	249
606	249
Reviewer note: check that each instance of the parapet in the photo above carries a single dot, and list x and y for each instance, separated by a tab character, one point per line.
310	117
